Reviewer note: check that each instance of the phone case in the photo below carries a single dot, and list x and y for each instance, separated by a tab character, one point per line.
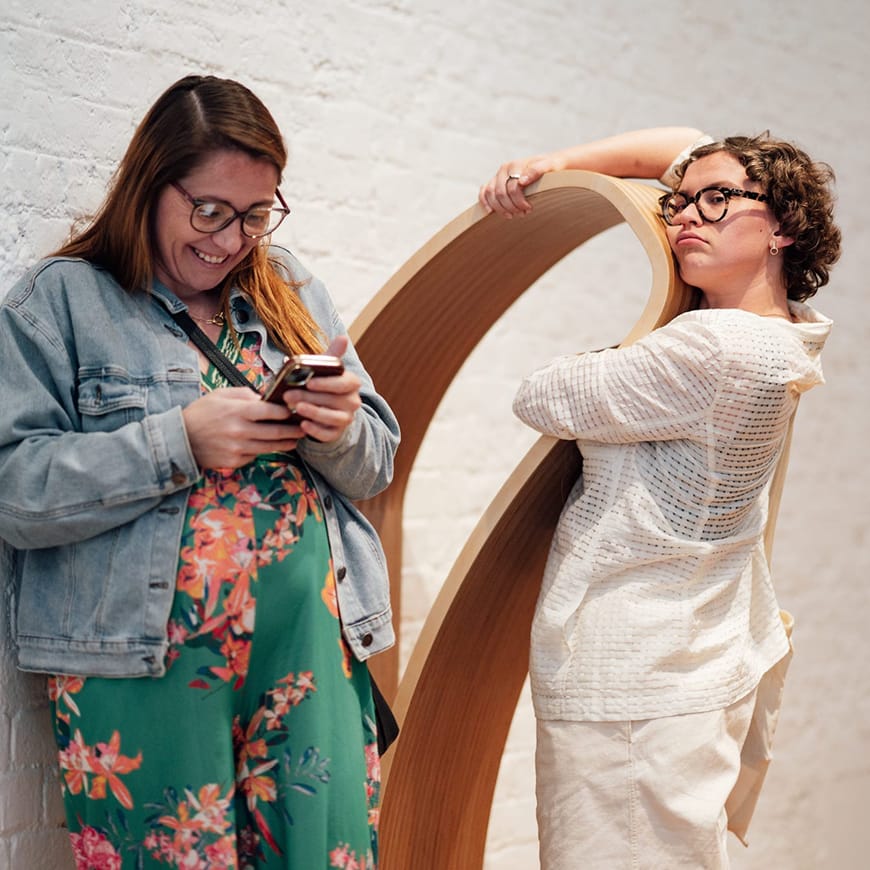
298	370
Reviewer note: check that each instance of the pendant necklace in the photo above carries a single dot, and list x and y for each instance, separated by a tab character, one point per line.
218	319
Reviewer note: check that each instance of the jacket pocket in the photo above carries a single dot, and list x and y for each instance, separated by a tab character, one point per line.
109	397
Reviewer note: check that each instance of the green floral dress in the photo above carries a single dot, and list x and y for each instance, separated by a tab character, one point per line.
258	747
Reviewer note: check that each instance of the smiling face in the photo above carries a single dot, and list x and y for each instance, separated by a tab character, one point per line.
728	258
188	261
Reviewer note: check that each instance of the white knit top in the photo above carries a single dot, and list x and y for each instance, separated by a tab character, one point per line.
657	599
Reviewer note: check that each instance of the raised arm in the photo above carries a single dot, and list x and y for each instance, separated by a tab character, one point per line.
646	153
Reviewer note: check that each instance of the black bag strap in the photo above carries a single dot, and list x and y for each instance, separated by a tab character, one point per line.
388	727
211	350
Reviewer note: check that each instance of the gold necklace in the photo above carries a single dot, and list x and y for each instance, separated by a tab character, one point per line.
218	319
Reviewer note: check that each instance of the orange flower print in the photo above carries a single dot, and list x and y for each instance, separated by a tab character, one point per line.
329	594
278	543
222	854
75	763
237	652
108	765
346	858
255	778
238	612
308	501
201	831
256	786
249	362
298	687
61	688
205	811
91	769
373	763
346	660
211	810
247	743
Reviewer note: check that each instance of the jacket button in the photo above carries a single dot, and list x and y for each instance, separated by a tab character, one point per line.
327	502
178	477
341	573
367	640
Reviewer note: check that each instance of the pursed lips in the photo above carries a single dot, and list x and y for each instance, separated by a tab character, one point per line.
689	237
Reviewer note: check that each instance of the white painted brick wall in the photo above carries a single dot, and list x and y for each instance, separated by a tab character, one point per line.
394	112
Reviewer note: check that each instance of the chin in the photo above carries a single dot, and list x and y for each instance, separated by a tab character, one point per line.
691	274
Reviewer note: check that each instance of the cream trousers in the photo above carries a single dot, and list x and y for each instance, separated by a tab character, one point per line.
638	795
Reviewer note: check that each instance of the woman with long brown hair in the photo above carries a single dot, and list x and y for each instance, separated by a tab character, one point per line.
191	570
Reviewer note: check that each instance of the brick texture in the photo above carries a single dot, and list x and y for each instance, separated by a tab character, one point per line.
394	113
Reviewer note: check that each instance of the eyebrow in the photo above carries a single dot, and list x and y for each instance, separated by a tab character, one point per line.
728	184
263	202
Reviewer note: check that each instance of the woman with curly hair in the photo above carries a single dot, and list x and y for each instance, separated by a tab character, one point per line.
657	618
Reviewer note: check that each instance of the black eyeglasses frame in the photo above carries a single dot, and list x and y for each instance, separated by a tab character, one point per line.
695	200
241	215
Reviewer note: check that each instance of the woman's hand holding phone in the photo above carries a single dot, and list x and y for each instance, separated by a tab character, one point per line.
325	403
229	427
298	371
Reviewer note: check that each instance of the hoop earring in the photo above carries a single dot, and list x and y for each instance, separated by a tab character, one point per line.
774	250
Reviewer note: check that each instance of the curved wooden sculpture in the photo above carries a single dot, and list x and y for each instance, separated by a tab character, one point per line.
416	333
458	695
461	685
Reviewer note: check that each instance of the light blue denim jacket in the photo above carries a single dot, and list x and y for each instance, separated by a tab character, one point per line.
96	468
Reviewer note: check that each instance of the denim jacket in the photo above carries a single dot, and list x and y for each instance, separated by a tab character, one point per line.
96	468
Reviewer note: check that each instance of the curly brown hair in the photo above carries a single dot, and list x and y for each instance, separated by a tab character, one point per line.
801	198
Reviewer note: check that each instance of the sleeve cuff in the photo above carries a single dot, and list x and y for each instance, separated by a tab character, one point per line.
669	177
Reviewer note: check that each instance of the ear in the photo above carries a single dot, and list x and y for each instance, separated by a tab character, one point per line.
783	241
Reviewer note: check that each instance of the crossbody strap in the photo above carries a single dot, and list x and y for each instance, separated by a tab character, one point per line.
211	350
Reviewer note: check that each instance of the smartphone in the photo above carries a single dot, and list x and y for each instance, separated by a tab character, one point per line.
298	370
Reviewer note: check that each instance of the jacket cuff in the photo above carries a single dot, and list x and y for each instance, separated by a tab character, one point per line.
170	449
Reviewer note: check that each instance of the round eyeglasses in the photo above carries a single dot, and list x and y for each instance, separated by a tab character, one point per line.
711	202
213	215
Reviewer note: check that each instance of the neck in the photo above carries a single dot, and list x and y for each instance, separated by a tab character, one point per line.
760	298
205	307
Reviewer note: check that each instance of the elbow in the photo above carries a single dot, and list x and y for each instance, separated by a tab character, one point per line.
521	405
375	477
27	536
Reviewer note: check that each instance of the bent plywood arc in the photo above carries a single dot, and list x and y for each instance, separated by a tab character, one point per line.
460	688
416	333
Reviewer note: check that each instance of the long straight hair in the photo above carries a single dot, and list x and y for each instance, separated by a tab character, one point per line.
192	119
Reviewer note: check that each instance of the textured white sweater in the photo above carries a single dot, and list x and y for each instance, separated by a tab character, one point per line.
657	599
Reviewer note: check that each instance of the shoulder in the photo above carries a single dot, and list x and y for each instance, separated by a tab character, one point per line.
289	265
724	326
766	349
312	291
690	333
57	278
719	340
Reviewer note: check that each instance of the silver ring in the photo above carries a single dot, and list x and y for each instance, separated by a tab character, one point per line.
516	177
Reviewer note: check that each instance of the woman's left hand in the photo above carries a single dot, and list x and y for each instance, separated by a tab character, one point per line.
504	192
327	404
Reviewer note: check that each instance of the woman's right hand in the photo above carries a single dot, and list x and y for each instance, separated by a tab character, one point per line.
227	428
503	193
643	153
